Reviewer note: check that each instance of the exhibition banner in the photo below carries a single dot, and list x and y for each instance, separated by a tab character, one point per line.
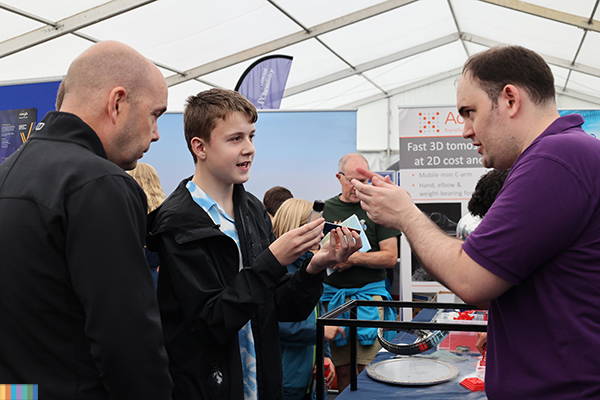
440	170
436	162
592	120
264	81
16	127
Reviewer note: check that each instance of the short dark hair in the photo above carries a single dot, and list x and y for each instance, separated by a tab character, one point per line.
499	66
202	111
274	198
486	190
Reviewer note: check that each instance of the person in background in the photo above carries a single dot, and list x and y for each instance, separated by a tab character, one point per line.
78	309
486	190
535	255
363	276
274	197
298	339
145	175
223	282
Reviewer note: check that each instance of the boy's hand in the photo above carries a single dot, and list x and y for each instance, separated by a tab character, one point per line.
343	244
292	244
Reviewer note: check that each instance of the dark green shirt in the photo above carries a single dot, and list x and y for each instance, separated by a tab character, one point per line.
357	276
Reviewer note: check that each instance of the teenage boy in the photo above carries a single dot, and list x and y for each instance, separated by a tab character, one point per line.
223	284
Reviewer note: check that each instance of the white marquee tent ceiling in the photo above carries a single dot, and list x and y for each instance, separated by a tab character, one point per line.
347	53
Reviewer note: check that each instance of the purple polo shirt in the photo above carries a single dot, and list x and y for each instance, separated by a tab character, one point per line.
543	235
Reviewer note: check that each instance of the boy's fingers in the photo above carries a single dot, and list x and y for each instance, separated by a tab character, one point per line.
312	225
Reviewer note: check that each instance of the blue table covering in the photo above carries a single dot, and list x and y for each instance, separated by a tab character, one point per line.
368	388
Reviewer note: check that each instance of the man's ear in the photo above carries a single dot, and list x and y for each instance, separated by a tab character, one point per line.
198	147
511	96
116	102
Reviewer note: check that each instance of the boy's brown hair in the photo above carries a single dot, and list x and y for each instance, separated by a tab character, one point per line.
202	111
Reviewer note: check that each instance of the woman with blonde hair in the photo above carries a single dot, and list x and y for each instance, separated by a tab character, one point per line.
145	175
298	339
293	213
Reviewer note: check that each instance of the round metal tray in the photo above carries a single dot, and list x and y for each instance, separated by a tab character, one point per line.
412	371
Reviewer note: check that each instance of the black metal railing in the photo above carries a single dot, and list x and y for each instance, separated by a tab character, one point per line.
331	318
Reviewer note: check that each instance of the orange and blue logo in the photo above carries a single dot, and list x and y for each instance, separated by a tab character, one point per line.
18	392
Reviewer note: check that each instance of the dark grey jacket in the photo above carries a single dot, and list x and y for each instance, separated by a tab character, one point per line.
78	312
205	300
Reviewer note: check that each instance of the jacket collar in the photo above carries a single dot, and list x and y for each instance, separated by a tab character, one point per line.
66	127
179	213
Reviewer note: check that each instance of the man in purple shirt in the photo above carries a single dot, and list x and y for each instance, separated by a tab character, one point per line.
535	258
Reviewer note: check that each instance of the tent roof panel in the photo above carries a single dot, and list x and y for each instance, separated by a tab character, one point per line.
15	25
560	75
194	33
345	51
474	48
580	7
418	67
584	83
399	29
331	95
43	60
54	10
304	11
510	27
179	93
311	61
590	50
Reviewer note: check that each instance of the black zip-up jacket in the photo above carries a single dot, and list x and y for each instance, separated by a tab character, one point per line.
205	300
78	312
